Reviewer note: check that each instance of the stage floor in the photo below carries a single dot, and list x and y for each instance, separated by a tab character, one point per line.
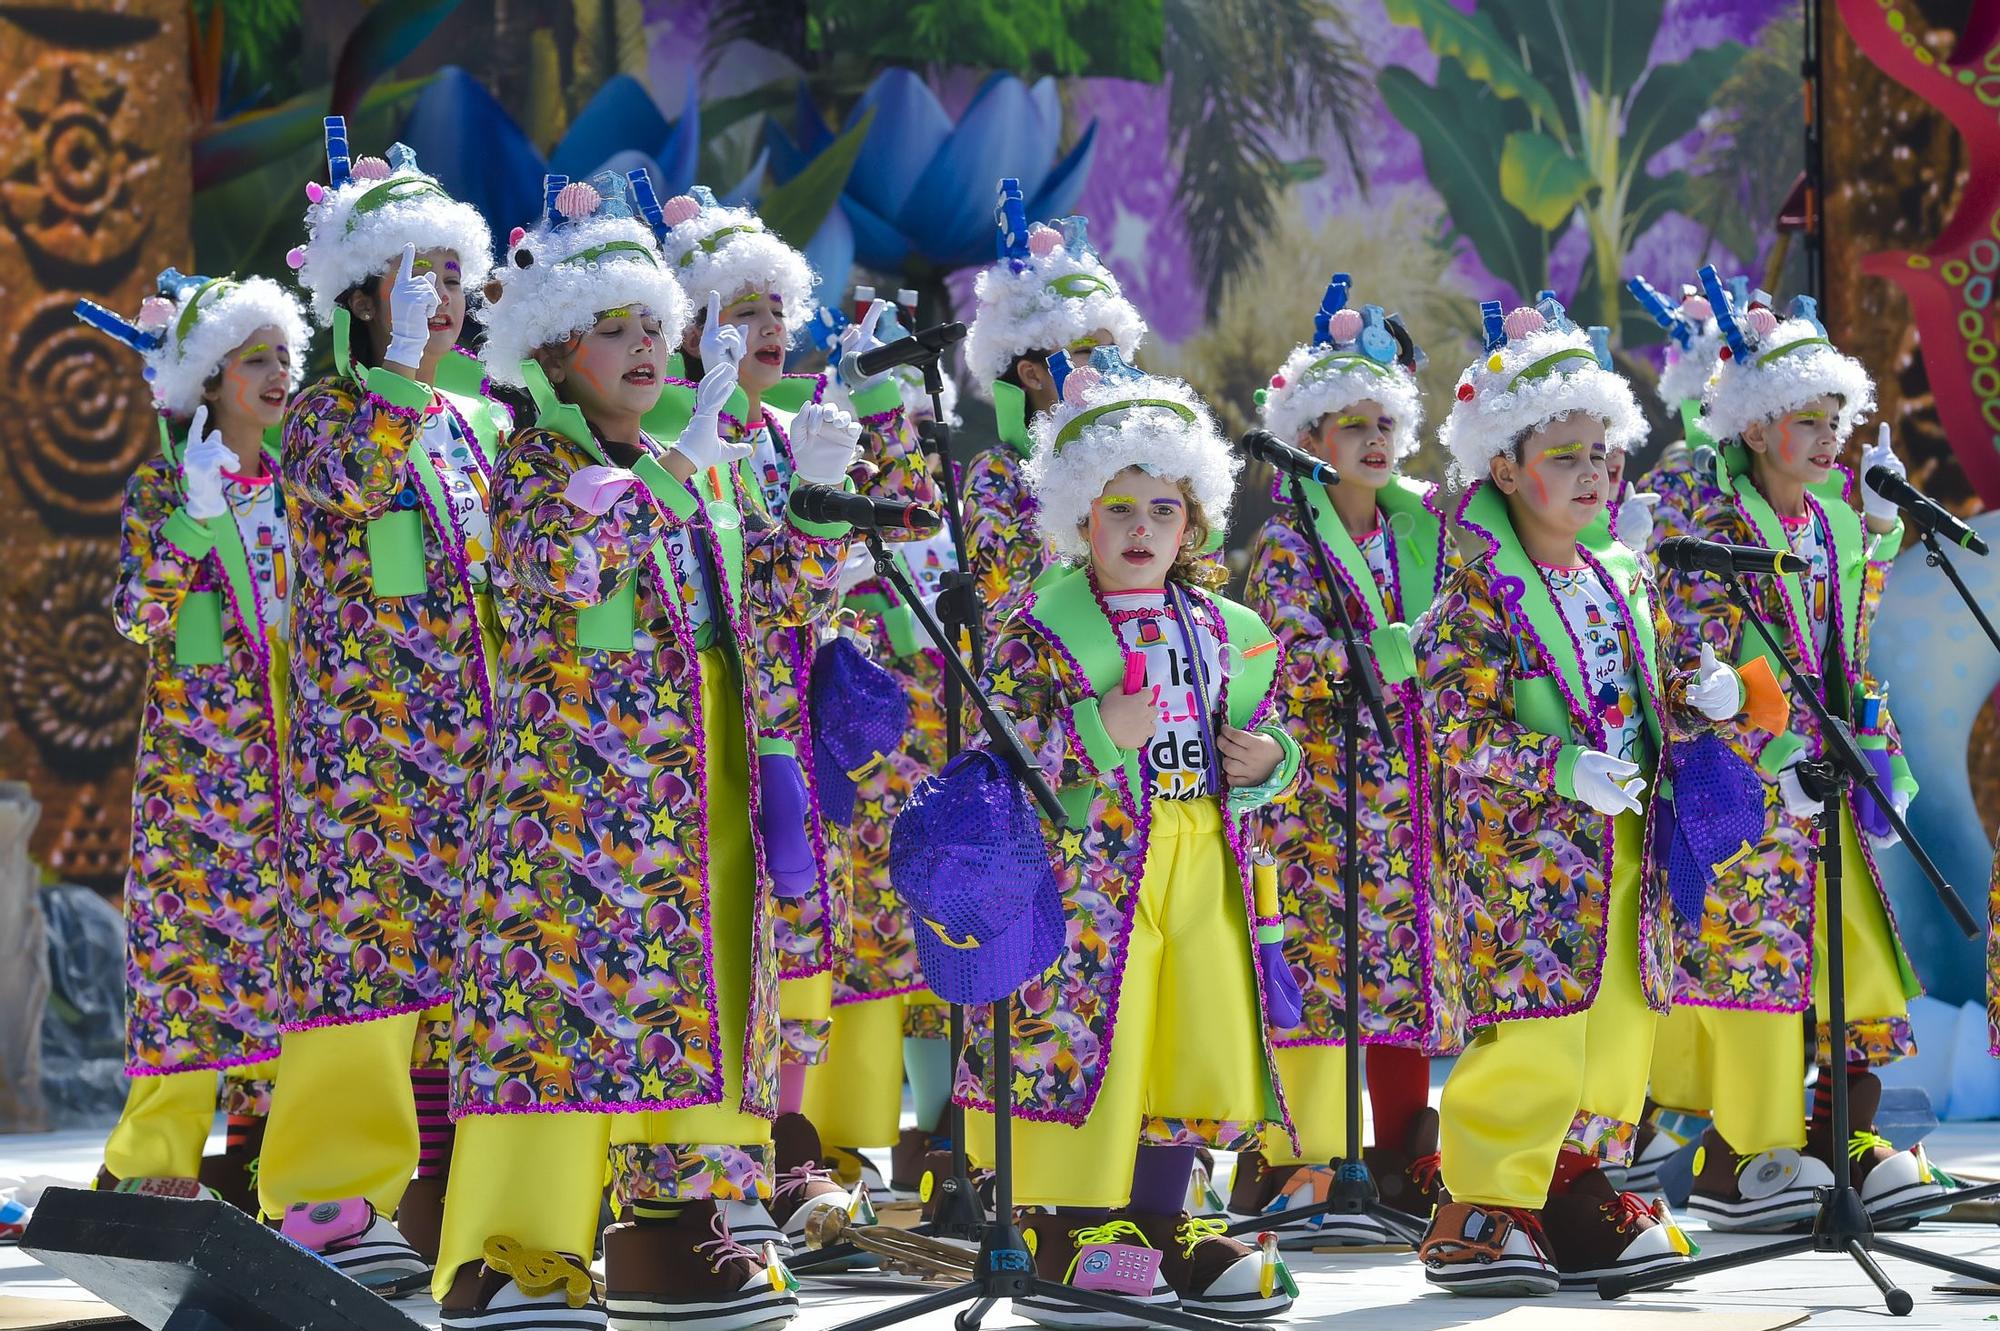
1381	1292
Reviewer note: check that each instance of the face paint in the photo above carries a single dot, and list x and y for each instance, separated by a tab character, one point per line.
1351	422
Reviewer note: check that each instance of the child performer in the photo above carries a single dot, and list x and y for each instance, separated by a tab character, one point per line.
386	475
202	584
1549	710
1148	699
1349	396
619	987
1781	405
1049	292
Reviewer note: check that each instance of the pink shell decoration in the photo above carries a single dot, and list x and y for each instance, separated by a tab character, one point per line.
1762	322
1043	239
1698	309
1277	381
369	168
155	312
295	257
680	208
1345	325
1080	382
577	200
315	191
516	236
1522	321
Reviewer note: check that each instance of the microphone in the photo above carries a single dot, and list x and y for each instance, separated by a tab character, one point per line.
1691	554
915	349
825	503
1924	512
1267	447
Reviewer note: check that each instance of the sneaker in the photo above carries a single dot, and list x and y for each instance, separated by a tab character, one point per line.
13	1220
1884	1176
233	1174
517	1288
1661	1135
1119	1261
906	1163
1487	1250
1407	1179
1594	1231
1215	1275
420	1216
1770	1190
351	1238
1263	1191
180	1189
754	1226
804	1185
692	1272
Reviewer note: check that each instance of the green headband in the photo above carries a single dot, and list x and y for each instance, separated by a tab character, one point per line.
1069	432
596	252
393	190
1803	344
192	314
709	244
1341	360
1076	286
1547	365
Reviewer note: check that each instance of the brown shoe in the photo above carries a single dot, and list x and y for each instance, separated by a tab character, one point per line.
691	1272
906	1162
1487	1250
233	1174
1263	1191
1055	1239
803	1183
936	1177
1594	1230
1407	1178
516	1287
1769	1190
1215	1275
1883	1175
421	1216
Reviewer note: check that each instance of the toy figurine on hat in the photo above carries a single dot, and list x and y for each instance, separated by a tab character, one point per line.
1682	478
1348	395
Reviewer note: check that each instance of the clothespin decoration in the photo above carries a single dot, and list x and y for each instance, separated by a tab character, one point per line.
1740	339
1493	317
1600	343
1010	220
552	185
1376	342
1805	307
1059	370
1076	235
1330	304
118	326
641	182
1666	315
1111	363
337	161
1552	312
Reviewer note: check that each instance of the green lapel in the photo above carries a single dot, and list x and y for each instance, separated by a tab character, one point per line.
198	622
1691	430
1332	533
462	379
1419	533
1010	417
1536	701
1847	546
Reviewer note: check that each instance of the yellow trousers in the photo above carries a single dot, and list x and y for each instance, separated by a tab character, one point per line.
1758	1059
1682	1063
343	1117
1315	1081
856	1096
166	1121
1187	1047
539	1178
1521	1087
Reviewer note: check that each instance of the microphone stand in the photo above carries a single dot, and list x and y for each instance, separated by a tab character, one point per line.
1354	1192
1934	555
1843	1224
1004	1268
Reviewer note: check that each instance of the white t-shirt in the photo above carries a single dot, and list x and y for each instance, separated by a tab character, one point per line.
260	517
769	468
463	481
1610	665
1808	541
1375	549
928	561
1179	755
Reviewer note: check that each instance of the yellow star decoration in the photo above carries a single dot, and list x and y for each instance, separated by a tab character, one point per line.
1003	684
513	998
177	1027
155	836
1072	844
530	740
361	877
657	953
169	932
664	823
1400	966
1518	899
364	990
256	780
1739	983
651	1086
521	868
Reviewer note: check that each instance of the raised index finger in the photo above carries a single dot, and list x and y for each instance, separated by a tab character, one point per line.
407	272
714	308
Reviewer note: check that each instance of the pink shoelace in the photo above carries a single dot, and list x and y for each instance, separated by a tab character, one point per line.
724	1244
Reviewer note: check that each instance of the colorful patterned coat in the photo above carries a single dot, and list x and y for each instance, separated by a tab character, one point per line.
1001	541
1059	652
1681	479
1521	893
390	700
1993	959
203	919
588	982
1753	949
1304	829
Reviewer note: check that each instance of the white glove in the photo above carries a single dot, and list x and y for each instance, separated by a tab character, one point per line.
1901	799
202	464
825	442
702	443
1793	791
412	302
595	489
1716	693
1880	455
856	339
1633	526
1609	785
721	343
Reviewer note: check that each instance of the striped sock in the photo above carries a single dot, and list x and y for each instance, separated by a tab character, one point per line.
434	1130
657	1212
236	1135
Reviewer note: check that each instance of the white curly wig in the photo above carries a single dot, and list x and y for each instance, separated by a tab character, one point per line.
204	320
1688	369
1789	364
728	251
357	227
1319	379
1044	302
560	276
1519	387
1090	437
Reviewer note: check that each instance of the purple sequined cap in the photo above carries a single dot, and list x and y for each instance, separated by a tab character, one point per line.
1718	809
968	859
860	716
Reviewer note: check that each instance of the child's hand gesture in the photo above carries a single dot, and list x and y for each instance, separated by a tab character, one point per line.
1129	718
1248	758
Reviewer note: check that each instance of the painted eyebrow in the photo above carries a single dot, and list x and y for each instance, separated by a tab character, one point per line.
1168	501
1563	451
261	346
1116	499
